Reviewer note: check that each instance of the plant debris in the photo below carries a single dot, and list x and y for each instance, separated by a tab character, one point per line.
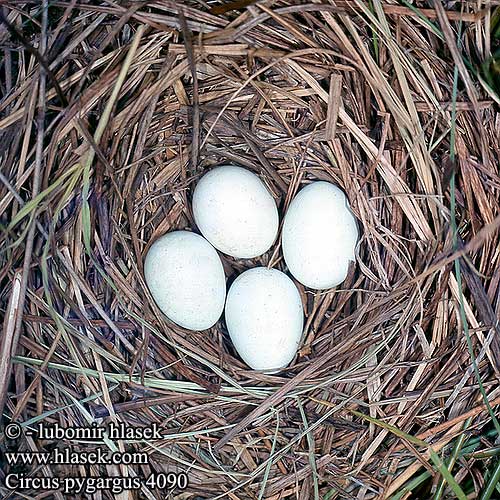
109	114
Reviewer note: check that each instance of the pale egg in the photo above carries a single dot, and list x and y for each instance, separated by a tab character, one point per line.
235	212
185	276
319	236
264	318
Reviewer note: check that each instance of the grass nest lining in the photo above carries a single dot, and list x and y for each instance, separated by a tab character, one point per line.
111	112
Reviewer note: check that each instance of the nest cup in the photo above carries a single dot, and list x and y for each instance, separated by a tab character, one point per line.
139	103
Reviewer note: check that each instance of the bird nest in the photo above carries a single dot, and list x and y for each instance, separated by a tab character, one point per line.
111	112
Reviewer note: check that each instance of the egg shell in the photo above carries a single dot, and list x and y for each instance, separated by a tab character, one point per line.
185	276
235	212
264	318
319	236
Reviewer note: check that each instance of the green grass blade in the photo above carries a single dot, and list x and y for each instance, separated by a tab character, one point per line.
411	485
457	448
310	442
438	463
492	484
454	228
33	204
270	462
101	127
425	19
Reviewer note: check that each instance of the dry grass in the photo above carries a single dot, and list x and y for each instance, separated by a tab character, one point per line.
110	113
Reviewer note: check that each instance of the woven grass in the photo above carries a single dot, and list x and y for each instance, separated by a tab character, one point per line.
111	112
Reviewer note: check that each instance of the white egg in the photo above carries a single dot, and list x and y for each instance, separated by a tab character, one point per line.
235	212
264	318
319	236
185	276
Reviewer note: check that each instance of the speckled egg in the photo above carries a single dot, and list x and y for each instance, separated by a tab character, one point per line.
264	318
235	212
185	276
319	236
